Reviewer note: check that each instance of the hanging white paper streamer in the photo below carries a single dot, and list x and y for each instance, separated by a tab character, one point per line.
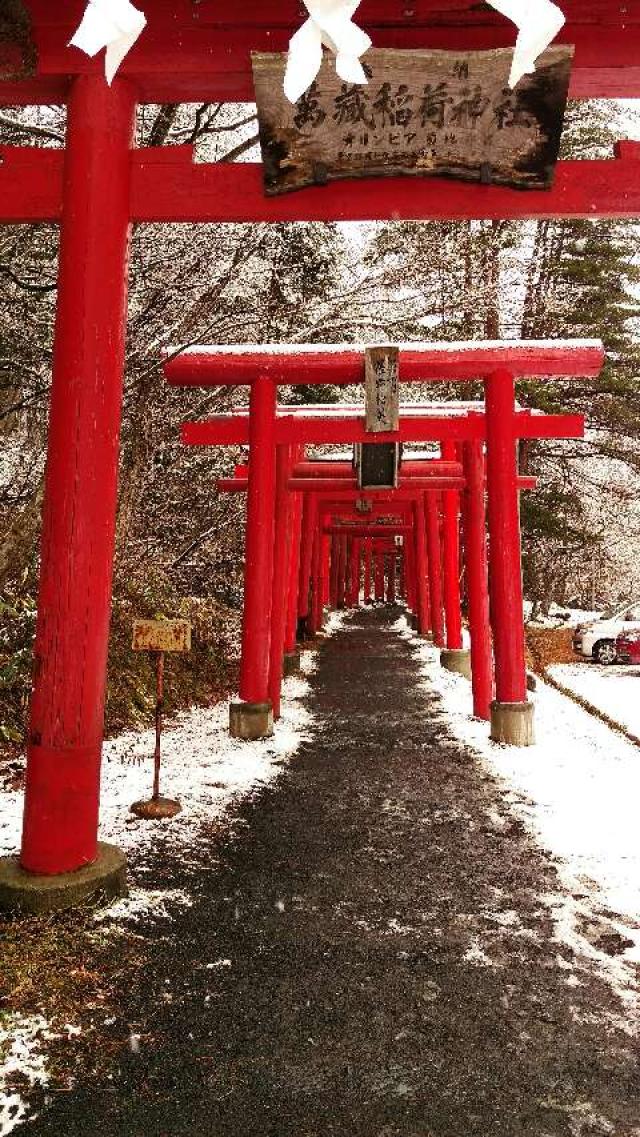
114	24
538	23
331	23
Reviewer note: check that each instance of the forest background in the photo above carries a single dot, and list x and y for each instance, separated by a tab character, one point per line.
179	543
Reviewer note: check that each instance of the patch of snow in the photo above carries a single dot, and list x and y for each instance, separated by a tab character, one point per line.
506	348
334	622
21	1056
475	954
561	617
143	902
576	790
613	690
10	821
202	766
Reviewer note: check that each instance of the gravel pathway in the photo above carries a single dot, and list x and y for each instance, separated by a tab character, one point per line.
368	954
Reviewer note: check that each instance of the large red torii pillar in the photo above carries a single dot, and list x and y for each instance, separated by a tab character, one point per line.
79	507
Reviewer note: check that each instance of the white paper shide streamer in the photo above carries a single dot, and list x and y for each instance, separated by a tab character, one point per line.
538	23
330	24
113	24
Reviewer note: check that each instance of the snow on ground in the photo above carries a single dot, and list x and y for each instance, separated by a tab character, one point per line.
20	1054
202	767
559	617
23	1056
577	791
207	771
613	690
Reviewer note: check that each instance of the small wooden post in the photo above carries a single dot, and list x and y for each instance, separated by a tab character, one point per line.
159	637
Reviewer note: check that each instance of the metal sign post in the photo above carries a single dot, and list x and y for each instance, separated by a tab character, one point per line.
159	636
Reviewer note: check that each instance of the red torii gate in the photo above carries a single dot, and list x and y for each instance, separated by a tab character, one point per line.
275	434
96	188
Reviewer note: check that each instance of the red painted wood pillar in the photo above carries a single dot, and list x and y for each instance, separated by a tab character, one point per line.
333	573
280	577
325	567
403	575
291	636
475	560
348	574
368	557
316	592
80	496
258	570
354	572
421	568
309	521
410	565
391	579
451	557
379	577
342	571
434	554
505	576
358	568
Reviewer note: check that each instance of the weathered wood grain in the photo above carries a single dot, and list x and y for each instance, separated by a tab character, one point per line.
161	635
422	113
382	388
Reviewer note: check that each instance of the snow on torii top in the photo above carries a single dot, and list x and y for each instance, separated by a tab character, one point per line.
222	364
117	24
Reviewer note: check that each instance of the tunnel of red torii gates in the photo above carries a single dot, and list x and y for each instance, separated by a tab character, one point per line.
321	532
95	189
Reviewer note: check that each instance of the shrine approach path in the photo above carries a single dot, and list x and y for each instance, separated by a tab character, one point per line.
381	960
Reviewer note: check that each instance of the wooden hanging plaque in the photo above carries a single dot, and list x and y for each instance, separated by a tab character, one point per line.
422	113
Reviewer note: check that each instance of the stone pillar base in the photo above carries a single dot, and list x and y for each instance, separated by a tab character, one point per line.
457	660
290	663
34	894
512	723
250	721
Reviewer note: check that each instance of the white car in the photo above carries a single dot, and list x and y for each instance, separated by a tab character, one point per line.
598	640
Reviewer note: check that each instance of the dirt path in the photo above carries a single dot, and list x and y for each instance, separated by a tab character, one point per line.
367	957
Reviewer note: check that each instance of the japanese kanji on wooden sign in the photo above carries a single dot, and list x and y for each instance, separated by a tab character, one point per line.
382	390
422	112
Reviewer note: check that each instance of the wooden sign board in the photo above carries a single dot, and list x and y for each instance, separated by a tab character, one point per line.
422	113
378	464
161	635
382	389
